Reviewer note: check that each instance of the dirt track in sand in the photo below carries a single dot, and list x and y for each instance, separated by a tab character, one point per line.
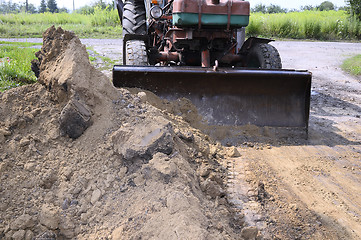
320	177
313	186
323	172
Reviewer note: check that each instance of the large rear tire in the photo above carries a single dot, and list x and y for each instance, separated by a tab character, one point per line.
264	56
134	18
136	53
134	22
120	5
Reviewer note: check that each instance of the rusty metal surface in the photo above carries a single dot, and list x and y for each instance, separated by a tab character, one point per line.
179	33
206	59
279	98
168	56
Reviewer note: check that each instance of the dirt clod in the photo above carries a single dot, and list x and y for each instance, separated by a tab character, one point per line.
75	118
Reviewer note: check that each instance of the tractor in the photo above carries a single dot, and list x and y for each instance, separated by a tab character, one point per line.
197	49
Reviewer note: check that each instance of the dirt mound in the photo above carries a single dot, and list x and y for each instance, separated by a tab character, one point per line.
80	159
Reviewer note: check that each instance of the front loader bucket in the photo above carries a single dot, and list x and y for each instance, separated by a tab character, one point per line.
278	98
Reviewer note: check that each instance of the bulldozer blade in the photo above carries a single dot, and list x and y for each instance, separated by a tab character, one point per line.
229	96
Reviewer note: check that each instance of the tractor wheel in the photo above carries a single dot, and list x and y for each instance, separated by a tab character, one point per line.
136	53
120	6
265	56
134	19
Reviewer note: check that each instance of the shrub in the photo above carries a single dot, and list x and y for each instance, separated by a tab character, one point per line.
355	8
325	25
312	29
326	6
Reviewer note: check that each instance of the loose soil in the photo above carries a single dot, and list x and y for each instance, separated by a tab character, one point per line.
83	160
131	168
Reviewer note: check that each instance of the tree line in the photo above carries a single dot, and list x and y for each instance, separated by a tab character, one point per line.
50	6
45	6
352	6
355	8
324	6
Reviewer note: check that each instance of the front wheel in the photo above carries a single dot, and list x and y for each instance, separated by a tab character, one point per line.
264	56
136	53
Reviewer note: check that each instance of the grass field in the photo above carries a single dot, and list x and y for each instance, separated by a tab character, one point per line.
353	65
325	25
15	64
102	24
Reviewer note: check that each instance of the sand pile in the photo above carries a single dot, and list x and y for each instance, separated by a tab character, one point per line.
80	159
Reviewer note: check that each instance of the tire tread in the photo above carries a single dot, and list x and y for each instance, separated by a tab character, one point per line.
136	53
267	56
134	19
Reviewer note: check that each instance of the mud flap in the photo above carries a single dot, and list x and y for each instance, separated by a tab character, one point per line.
277	98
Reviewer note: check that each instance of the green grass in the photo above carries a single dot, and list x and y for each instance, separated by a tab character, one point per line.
102	24
353	65
325	25
20	44
94	56
15	65
92	59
